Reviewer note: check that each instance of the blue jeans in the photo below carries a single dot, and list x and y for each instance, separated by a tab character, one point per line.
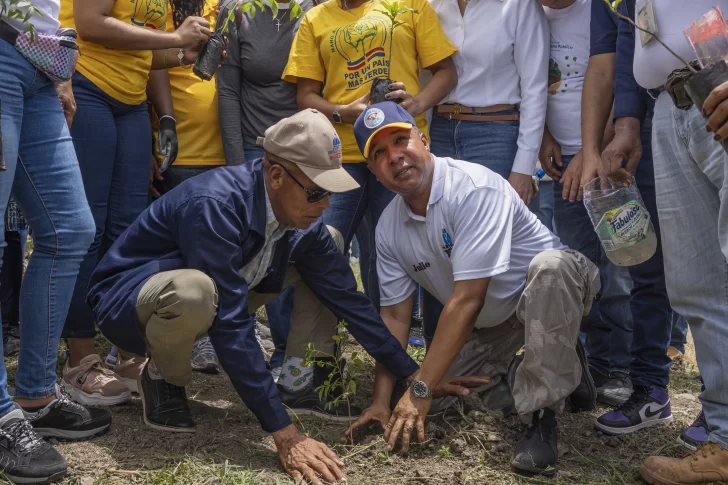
43	175
542	203
279	310
113	143
487	143
613	339
691	175
679	334
349	208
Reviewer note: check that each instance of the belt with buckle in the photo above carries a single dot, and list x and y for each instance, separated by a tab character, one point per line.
466	113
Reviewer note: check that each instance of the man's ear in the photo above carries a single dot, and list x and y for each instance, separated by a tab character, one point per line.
425	141
275	172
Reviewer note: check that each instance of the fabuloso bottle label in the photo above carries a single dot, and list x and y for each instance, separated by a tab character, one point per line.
624	226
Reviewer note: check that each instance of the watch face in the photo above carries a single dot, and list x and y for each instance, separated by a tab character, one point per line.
336	116
419	389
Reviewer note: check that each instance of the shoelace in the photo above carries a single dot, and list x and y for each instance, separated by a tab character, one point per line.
635	401
65	401
105	375
21	435
204	347
709	449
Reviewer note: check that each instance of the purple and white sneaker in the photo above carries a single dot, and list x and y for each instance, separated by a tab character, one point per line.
647	406
695	435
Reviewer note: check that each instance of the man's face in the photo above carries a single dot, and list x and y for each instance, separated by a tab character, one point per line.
288	199
400	159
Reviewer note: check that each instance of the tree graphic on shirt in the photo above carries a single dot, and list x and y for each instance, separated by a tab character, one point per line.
554	77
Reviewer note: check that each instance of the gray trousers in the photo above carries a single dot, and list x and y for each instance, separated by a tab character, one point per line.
560	288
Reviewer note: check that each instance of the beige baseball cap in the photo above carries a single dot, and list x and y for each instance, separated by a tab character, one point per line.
309	140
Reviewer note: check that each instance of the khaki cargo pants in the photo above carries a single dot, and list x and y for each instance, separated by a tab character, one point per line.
560	289
176	308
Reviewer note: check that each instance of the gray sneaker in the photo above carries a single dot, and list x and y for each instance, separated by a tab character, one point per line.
616	390
203	357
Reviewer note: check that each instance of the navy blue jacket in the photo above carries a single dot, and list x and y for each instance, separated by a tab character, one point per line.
215	223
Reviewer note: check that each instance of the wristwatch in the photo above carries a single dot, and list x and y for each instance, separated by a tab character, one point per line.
336	115
181	57
420	389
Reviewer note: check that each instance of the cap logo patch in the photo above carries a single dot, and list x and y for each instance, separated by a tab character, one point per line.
374	118
335	152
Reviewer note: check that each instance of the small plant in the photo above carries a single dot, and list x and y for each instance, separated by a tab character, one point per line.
393	10
252	6
340	385
444	452
211	54
614	5
13	9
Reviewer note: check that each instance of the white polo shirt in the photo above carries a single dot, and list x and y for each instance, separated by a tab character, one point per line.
476	227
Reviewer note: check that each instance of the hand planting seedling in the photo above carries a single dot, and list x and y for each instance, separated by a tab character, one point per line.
381	86
211	54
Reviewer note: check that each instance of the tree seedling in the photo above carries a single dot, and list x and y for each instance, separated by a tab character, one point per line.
393	9
13	9
211	54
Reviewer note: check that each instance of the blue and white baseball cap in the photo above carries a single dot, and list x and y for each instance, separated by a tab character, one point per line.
378	117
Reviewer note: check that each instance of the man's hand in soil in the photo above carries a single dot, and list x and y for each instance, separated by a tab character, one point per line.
571	181
625	146
377	412
409	102
524	185
409	415
550	155
716	106
306	459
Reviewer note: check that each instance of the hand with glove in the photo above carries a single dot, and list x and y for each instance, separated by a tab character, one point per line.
168	145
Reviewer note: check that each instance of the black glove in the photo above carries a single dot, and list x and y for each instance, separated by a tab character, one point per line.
168	145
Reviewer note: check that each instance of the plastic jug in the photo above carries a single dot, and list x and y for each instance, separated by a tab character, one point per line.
621	221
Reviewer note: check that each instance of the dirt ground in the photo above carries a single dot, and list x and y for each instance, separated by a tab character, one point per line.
230	448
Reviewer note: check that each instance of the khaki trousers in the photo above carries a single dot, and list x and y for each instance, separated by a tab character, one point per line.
560	289
176	308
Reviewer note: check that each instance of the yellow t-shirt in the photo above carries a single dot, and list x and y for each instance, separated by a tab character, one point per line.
195	109
121	74
347	49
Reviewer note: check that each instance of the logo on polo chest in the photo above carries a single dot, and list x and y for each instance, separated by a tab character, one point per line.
421	266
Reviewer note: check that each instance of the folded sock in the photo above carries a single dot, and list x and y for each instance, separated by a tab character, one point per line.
293	375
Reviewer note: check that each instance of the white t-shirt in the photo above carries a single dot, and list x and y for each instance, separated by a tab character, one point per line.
568	60
476	227
47	23
653	63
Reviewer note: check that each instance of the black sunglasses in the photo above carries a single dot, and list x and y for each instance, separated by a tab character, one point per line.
313	195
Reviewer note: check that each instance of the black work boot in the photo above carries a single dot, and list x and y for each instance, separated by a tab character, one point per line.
584	397
165	405
537	451
310	402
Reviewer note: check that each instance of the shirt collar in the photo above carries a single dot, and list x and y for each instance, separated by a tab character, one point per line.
436	190
271	223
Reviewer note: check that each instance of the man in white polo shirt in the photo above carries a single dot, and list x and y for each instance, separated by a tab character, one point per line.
461	232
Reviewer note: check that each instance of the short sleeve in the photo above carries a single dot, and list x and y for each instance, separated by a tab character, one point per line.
305	58
482	229
432	42
395	285
603	29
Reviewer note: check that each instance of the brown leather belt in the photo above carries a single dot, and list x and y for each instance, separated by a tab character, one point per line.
466	113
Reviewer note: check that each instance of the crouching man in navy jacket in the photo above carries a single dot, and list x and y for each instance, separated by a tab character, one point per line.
204	257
